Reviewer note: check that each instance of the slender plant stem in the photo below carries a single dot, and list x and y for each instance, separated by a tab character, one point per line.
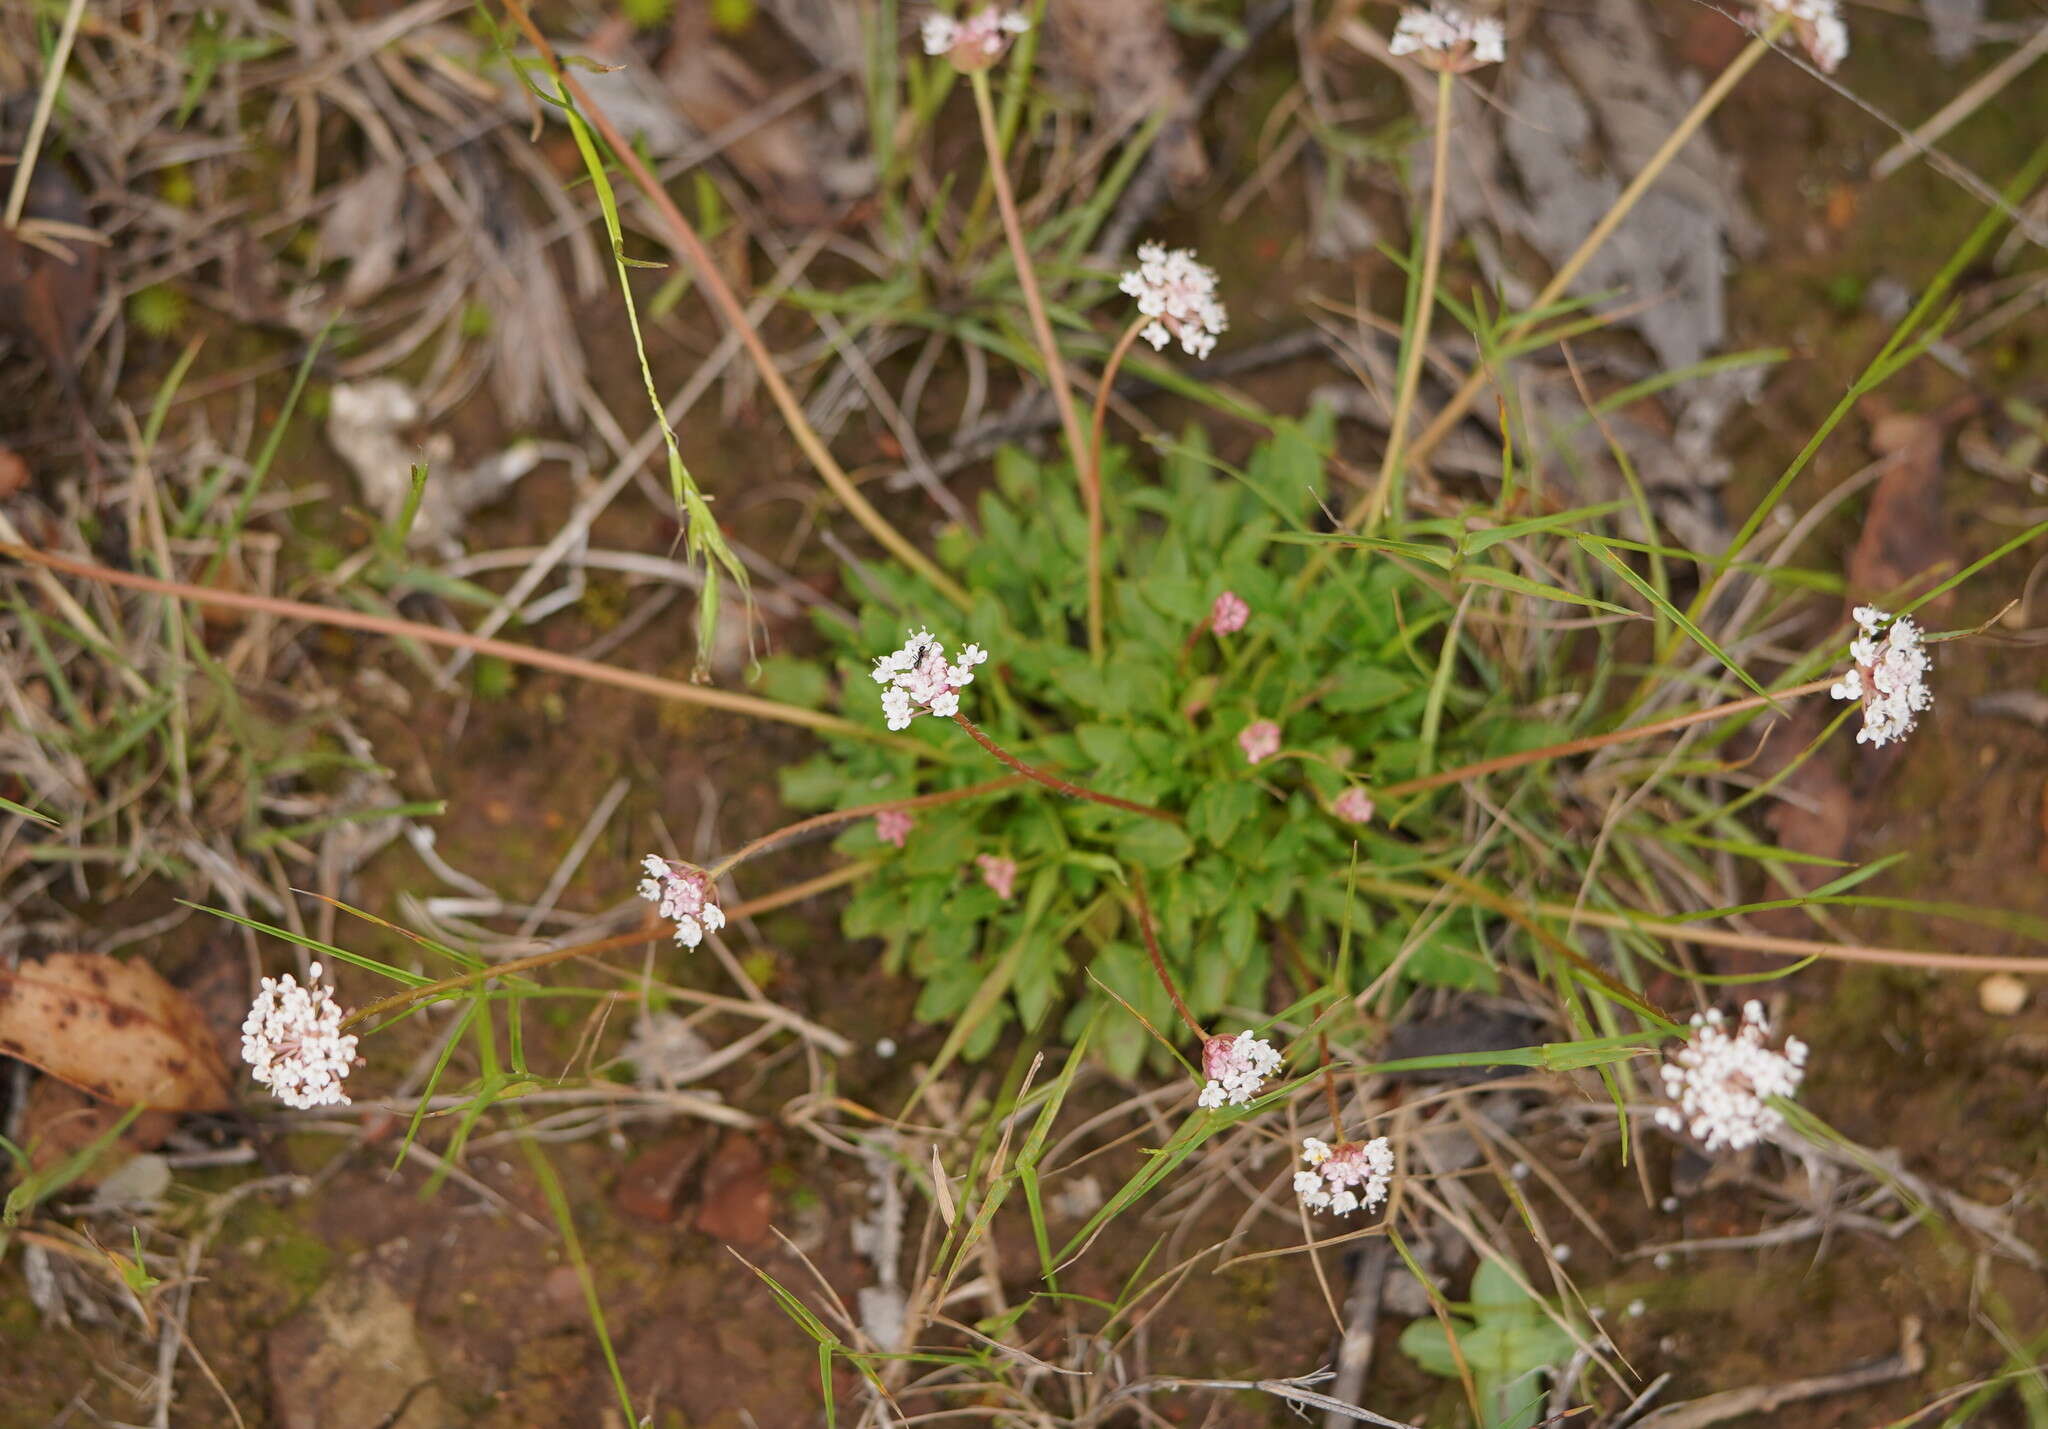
592	670
1330	1087
1597	741
1048	349
682	237
767	902
1159	958
1425	304
1096	422
39	121
1710	99
1057	784
837	817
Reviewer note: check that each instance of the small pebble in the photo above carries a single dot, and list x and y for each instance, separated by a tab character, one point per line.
1670	1204
2001	994
886	1047
1560	1253
1635	1309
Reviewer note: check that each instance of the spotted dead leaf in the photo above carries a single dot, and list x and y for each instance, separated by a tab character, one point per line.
114	1029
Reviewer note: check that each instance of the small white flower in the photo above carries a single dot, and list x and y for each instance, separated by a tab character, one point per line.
1445	37
684	894
1817	23
976	42
293	1042
1179	295
921	681
1721	1081
1342	1179
1889	676
1236	1067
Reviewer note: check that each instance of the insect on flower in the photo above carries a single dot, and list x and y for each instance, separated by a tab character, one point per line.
684	894
1721	1081
1236	1067
976	42
1444	37
920	681
1341	1179
1890	676
1179	295
293	1042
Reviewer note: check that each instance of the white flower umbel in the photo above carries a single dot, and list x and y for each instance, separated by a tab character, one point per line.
1890	676
1721	1081
1445	37
1179	295
1236	1068
976	42
1817	23
919	680
1346	1178
293	1042
684	894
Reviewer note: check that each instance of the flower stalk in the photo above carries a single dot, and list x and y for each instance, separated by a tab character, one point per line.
1048	349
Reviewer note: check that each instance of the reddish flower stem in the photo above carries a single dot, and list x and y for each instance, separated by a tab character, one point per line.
1057	784
1159	959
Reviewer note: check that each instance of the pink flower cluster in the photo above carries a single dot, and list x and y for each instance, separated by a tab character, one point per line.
976	42
1890	676
1342	1179
684	894
293	1042
1446	38
1260	740
1228	615
1721	1081
893	826
1236	1067
1179	295
919	679
998	873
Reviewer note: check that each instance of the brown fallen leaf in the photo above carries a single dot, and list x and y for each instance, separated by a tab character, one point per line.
738	1205
1904	542
49	276
114	1029
61	1120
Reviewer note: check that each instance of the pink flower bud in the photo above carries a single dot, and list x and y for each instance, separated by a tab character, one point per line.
1228	615
1260	740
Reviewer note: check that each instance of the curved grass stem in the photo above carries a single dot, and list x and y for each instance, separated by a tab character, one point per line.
1588	743
1048	349
1057	784
767	902
683	239
510	651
